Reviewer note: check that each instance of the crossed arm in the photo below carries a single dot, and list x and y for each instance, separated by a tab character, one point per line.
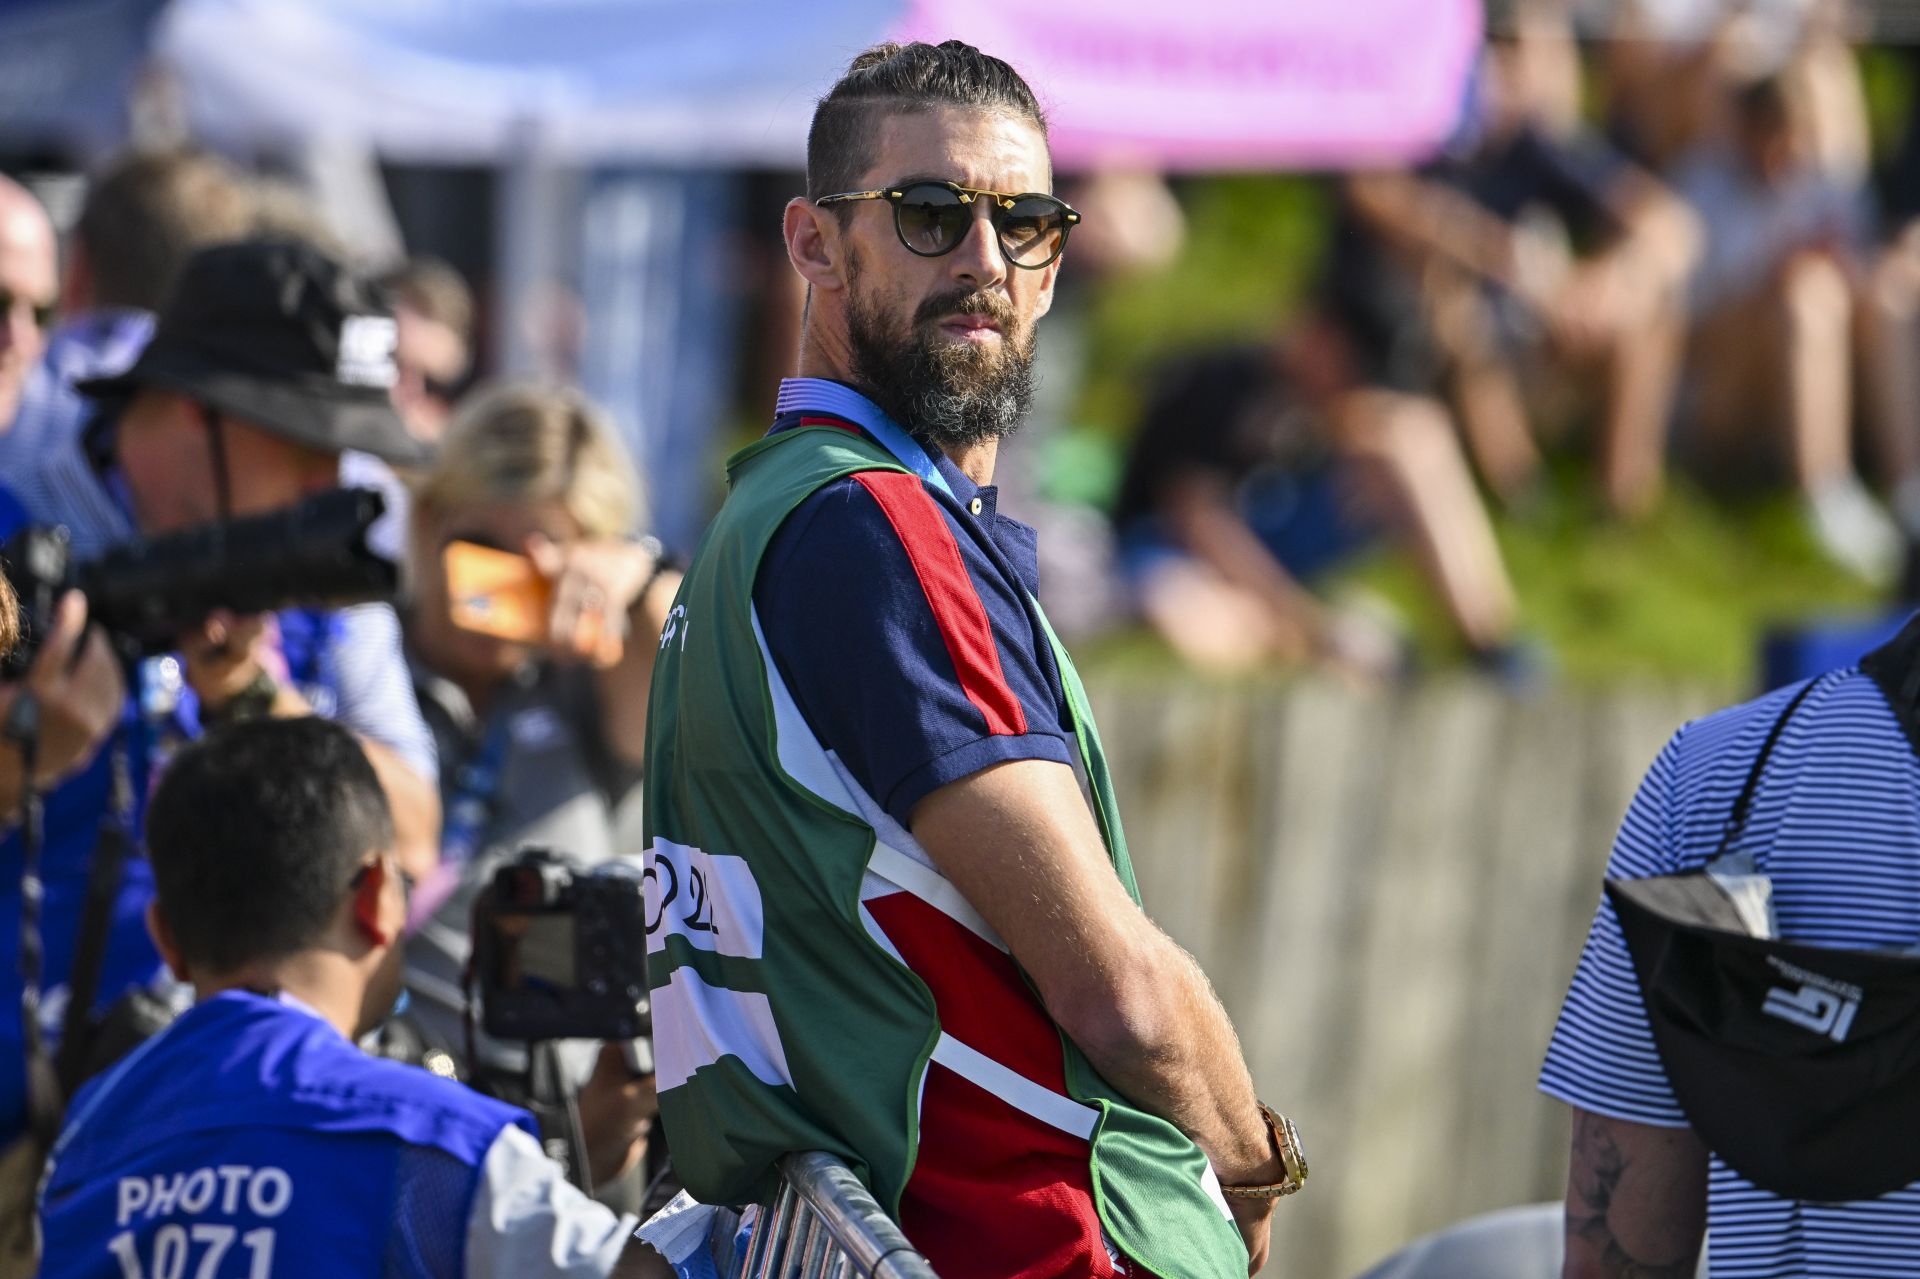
1636	1200
1019	842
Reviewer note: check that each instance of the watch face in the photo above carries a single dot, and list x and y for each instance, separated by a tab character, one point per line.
1292	1158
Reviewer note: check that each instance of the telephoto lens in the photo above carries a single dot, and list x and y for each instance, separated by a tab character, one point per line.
146	592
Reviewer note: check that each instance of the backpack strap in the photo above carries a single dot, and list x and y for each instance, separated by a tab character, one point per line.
1895	667
1737	816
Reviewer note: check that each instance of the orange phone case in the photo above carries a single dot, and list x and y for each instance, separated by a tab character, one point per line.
497	593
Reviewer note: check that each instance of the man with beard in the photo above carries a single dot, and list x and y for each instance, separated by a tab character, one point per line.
891	914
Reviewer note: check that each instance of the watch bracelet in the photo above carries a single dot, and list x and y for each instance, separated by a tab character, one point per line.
1293	1163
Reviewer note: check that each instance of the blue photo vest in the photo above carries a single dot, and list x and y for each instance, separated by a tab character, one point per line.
251	1139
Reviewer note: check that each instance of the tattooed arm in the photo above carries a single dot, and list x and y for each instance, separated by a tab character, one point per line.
1636	1200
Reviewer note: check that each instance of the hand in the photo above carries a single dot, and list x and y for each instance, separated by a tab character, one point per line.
1589	306
222	656
617	1110
81	692
595	586
1254	1217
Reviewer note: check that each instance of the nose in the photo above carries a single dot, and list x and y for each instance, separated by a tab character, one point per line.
978	260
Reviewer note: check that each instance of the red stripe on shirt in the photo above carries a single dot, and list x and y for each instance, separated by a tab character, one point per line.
957	609
834	422
995	1193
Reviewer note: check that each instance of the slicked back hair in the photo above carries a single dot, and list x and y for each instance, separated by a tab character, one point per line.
256	833
903	79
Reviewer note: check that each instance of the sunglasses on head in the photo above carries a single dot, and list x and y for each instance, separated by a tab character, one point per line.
932	218
42	312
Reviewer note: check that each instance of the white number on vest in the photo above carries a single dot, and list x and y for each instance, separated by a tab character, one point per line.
173	1246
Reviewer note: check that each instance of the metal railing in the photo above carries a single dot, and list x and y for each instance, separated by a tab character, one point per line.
823	1224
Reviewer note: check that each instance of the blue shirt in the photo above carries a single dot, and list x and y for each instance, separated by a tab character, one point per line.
51	412
900	611
348	664
1836	823
252	1138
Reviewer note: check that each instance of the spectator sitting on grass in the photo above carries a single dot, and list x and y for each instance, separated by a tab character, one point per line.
1253	473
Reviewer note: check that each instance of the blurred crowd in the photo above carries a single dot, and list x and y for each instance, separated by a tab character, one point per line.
1661	238
198	351
1658	240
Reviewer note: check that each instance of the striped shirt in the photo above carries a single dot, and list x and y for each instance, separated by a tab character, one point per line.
1836	823
93	344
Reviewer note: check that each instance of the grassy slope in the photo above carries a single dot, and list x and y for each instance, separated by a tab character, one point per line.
1685	594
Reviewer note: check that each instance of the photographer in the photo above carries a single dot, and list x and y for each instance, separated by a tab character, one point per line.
267	362
253	1127
540	723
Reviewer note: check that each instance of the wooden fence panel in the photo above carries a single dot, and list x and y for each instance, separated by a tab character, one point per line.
1390	892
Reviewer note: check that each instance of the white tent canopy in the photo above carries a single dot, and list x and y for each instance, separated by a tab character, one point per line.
449	81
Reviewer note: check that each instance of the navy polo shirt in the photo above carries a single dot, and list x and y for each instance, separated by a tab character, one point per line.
900	612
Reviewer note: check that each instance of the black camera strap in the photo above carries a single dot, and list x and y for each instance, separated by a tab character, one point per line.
44	1102
50	1079
104	873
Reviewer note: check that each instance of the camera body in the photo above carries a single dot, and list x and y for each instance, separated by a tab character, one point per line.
560	951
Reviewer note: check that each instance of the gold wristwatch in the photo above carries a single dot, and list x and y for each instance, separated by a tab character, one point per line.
1293	1164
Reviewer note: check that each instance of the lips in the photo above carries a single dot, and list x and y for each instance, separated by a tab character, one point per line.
971	323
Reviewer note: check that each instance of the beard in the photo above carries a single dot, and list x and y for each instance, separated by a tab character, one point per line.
948	395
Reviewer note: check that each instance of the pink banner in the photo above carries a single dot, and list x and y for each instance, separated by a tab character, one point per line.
1229	84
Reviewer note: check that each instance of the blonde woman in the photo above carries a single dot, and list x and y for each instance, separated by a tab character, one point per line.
541	736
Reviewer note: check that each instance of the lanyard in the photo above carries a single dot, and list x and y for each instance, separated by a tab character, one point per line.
905	450
476	787
468	812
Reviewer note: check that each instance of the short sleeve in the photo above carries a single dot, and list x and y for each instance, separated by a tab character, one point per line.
1602	1056
529	1222
375	690
910	650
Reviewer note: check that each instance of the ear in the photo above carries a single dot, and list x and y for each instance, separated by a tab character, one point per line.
371	914
164	943
814	243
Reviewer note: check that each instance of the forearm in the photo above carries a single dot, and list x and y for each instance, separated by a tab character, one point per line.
1636	1200
1432	222
1214	531
1182	1061
416	810
1020	844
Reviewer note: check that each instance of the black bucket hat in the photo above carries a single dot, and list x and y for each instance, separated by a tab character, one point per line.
1799	1065
280	336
